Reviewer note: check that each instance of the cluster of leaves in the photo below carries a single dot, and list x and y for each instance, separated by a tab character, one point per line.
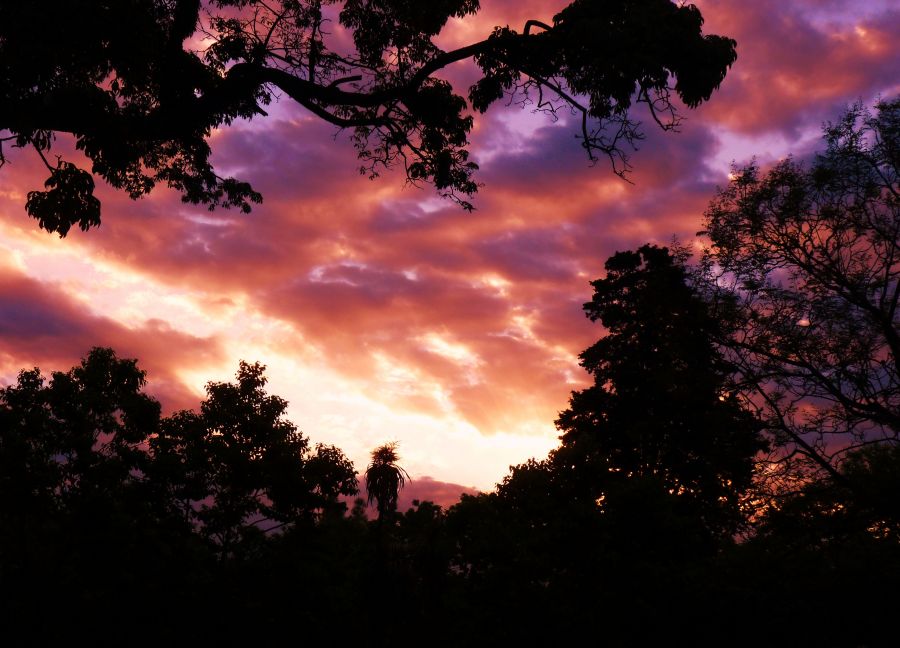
576	64
140	107
69	199
128	81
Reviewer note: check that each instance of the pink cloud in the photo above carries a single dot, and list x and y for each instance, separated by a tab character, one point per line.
444	494
795	66
42	326
423	489
368	272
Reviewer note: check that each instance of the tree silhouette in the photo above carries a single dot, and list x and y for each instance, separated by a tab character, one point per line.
625	519
384	479
76	508
661	407
76	438
827	544
129	81
106	506
108	511
238	468
805	264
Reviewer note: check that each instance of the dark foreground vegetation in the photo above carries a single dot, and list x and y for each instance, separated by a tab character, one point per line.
731	477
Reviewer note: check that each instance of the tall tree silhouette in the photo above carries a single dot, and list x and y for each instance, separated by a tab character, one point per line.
644	491
661	408
129	81
384	479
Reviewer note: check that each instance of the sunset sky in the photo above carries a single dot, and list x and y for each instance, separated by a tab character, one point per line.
384	313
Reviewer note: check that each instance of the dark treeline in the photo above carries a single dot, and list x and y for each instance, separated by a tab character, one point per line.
730	477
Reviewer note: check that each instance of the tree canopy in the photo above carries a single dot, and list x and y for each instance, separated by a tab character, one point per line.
661	407
109	510
88	445
804	263
141	84
238	468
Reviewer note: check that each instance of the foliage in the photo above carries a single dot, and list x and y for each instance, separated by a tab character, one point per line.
75	510
104	505
826	513
237	467
805	263
77	437
828	544
645	489
384	479
109	512
130	82
661	407
787	327
69	199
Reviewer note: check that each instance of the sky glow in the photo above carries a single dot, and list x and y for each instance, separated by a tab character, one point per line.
386	314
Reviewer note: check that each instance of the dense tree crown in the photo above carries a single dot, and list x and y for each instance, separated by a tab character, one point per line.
140	84
238	467
661	405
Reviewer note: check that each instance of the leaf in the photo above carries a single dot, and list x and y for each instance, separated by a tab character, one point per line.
69	199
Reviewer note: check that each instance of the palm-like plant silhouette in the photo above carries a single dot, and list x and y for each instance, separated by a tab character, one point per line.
384	479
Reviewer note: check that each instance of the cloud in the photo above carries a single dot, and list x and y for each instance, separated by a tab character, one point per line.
444	494
797	66
40	325
422	489
416	305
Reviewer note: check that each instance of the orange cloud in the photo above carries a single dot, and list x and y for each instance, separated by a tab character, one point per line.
42	326
473	319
